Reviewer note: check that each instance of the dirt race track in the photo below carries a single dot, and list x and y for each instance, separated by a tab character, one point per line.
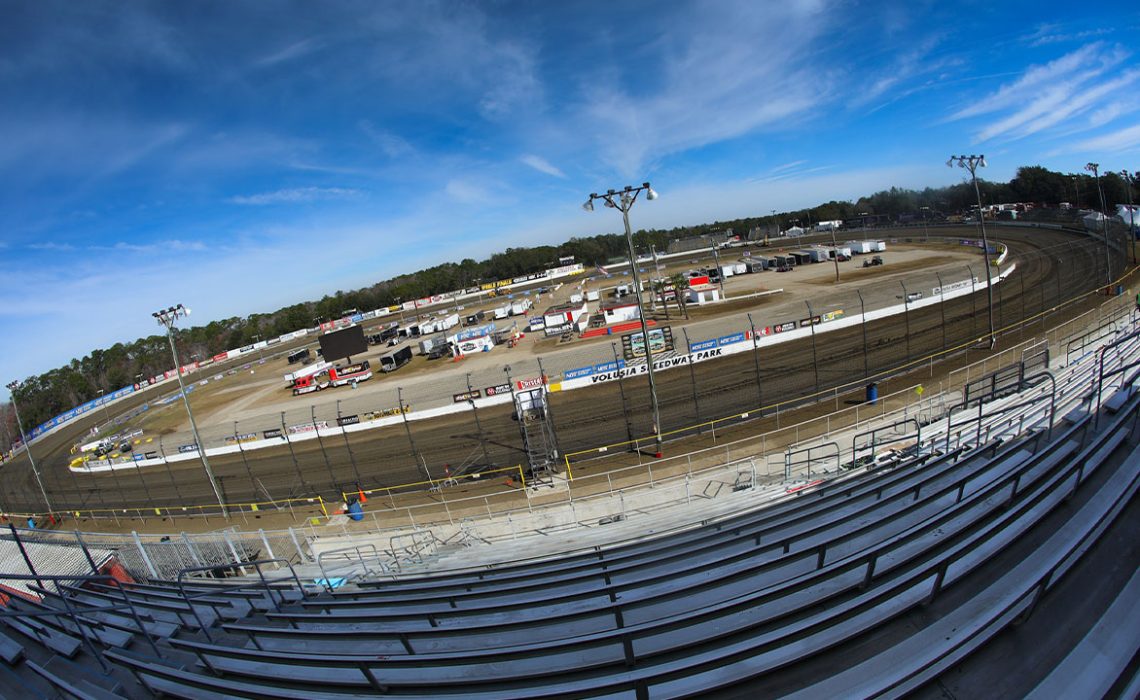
1052	268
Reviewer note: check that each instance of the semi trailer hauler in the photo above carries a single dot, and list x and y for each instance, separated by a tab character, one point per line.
307	379
350	374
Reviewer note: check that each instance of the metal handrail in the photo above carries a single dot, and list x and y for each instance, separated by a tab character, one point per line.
263	584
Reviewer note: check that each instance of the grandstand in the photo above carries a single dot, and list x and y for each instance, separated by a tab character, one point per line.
852	571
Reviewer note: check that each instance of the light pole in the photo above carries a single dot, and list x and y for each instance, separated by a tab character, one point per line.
925	225
1094	168
166	318
719	274
623	200
478	425
972	163
256	341
106	413
12	386
1130	178
351	457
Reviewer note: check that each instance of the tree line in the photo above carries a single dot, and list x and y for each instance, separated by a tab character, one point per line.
103	370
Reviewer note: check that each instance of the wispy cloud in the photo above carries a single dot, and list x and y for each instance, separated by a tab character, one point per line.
292	51
467	192
1049	95
722	74
174	246
542	165
393	145
52	246
1052	33
295	195
787	166
1119	141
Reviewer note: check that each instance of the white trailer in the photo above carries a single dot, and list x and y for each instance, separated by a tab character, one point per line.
447	322
521	307
727	270
592	295
880	246
503	311
739	268
576	298
860	247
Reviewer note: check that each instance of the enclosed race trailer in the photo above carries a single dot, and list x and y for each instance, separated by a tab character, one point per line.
860	247
395	360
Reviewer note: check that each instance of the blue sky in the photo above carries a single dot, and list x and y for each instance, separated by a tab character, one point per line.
240	156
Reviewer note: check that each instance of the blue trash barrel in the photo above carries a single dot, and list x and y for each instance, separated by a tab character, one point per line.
355	511
872	393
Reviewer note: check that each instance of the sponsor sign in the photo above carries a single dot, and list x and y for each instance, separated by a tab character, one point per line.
348	420
813	321
221	357
913	296
270	434
784	327
529	383
729	339
666	363
466	396
234	439
307	427
832	315
497	389
609	366
702	345
578	372
952	287
188	448
384	413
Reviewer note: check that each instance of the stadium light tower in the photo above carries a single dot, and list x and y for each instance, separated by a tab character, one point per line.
623	201
12	386
1094	168
972	163
166	318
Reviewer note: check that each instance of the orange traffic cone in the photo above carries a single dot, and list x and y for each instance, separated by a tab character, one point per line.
363	498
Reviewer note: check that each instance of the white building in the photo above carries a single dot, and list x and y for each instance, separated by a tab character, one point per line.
620	312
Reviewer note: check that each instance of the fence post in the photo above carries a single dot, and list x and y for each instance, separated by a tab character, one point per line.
297	545
143	554
265	541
